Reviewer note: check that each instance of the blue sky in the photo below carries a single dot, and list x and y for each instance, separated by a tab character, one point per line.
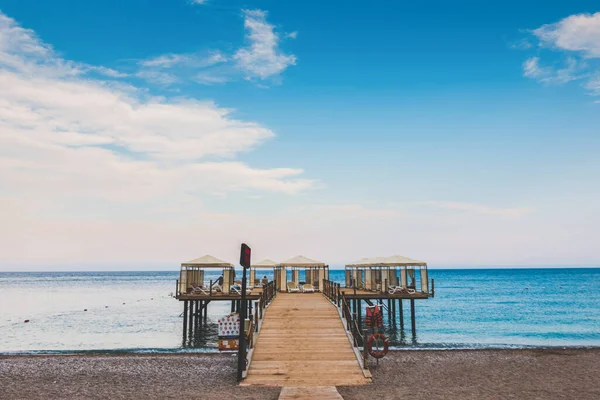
144	133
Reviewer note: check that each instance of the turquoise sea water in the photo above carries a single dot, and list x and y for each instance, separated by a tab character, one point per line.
134	311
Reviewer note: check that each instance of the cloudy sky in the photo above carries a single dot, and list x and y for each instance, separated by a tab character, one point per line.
143	133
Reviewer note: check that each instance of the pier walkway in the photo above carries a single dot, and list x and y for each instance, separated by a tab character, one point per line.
302	342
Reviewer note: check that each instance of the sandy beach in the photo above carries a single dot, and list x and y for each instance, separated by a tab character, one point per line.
457	374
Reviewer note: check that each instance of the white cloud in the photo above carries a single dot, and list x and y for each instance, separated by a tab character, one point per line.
165	60
199	2
292	35
168	69
206	78
479	208
580	33
75	146
532	69
108	72
578	36
570	72
262	58
593	85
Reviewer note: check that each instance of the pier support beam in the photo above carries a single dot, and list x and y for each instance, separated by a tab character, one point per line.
201	312
198	314
413	323
394	312
185	313
206	312
401	312
190	318
389	309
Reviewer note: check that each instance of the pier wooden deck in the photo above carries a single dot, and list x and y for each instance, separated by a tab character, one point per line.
302	342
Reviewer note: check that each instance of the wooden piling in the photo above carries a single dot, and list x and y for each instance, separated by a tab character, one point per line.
199	314
401	313
206	312
359	309
394	312
202	315
413	323
185	312
191	317
389	310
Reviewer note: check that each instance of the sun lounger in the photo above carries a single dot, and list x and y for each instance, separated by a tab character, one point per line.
308	288
292	287
238	290
199	290
400	290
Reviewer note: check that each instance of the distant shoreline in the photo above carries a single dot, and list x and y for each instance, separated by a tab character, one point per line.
215	351
175	269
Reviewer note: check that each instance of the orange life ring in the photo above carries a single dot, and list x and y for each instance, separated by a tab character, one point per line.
371	341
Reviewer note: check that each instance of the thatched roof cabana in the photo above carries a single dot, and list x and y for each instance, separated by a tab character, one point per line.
377	273
192	273
314	271
301	261
267	263
207	261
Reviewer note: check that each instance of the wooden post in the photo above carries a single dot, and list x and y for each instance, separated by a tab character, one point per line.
389	308
359	314
412	317
210	289
197	315
401	311
365	350
250	315
185	312
191	317
394	312
256	307
206	311
433	288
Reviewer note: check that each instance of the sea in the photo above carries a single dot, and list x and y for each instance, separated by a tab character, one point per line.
136	311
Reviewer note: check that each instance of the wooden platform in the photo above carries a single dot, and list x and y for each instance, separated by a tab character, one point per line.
302	342
310	393
255	295
370	294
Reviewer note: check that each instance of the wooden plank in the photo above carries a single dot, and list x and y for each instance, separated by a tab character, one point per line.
302	343
315	392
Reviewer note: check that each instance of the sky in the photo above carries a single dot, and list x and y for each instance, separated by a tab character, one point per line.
141	134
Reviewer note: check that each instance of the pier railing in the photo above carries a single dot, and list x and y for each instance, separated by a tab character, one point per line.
352	326
331	290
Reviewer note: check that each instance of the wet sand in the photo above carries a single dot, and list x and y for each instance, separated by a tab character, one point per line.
456	374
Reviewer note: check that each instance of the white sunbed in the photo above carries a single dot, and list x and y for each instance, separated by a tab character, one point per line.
238	290
199	290
400	289
308	288
292	287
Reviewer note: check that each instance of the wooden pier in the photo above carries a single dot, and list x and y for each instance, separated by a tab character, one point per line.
302	342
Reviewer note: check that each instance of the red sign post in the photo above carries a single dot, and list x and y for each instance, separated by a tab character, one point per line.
245	261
